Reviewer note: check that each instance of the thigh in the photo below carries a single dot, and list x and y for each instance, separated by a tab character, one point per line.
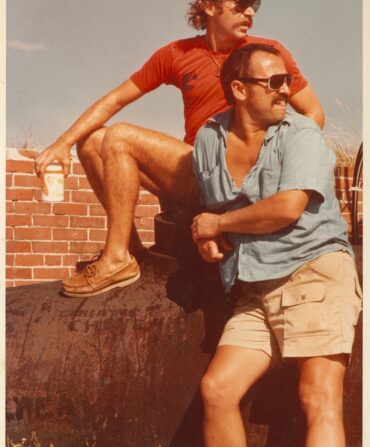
249	327
164	160
237	369
323	373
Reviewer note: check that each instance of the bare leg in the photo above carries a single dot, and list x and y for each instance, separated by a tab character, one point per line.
321	396
89	153
231	373
117	160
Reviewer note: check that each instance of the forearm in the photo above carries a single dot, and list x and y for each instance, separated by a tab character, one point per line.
266	216
100	112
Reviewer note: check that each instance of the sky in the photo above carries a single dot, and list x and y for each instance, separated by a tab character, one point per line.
62	55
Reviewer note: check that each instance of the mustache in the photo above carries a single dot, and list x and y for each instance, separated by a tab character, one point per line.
281	97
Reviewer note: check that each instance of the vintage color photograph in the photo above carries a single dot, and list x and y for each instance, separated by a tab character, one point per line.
184	223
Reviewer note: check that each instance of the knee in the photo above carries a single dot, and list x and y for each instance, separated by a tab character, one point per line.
323	401
119	138
216	393
90	146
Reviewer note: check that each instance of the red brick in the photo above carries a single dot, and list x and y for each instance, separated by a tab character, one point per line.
33	208
69	260
18	273
10	284
83	183
147	223
146	211
10	260
146	236
53	260
28	260
148	199
84	197
50	273
85	247
33	234
77	169
50	221
97	210
70	209
71	182
9	233
9	207
18	220
32	181
9	180
98	235
69	235
19	166
18	247
87	222
50	247
19	194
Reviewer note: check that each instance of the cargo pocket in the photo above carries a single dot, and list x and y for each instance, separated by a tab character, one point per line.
311	312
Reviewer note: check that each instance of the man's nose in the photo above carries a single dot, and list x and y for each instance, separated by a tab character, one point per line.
249	11
285	88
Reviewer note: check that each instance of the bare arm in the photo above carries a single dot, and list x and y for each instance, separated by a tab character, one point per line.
263	217
307	103
92	119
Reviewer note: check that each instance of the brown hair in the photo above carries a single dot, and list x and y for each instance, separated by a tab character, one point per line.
197	17
237	65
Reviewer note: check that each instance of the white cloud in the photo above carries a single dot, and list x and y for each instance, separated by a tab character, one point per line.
27	46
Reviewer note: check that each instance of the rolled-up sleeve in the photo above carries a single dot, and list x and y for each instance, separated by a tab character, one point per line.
307	163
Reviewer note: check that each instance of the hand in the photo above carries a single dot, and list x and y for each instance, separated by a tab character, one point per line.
211	250
205	225
55	152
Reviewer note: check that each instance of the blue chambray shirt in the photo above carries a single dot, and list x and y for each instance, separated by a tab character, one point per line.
293	156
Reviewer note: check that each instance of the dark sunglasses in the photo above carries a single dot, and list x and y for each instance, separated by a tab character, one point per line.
274	82
242	5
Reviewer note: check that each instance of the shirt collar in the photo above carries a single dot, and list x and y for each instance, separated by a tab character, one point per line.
224	120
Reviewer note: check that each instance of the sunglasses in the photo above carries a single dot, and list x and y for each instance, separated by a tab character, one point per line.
242	5
274	82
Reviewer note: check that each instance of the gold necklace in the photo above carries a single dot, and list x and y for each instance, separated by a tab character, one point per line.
218	65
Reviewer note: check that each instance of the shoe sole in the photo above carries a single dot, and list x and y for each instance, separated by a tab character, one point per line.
124	283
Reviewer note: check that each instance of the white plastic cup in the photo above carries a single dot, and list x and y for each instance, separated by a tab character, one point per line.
52	184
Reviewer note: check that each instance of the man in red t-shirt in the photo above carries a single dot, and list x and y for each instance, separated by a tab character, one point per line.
120	158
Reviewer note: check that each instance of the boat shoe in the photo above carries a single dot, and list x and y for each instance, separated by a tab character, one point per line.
91	282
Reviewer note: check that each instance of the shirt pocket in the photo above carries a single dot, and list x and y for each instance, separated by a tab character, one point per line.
214	183
311	310
268	181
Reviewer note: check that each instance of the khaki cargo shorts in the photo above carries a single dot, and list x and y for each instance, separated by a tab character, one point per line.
312	312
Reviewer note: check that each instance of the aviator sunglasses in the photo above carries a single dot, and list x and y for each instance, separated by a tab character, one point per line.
274	82
242	5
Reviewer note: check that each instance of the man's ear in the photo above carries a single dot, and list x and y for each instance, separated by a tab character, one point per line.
238	89
211	8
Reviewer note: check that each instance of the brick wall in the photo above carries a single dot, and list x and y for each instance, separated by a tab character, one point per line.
45	240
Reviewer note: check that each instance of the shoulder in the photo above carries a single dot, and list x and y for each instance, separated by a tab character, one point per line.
303	134
264	40
184	45
299	124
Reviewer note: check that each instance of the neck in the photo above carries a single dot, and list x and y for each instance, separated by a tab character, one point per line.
219	43
245	128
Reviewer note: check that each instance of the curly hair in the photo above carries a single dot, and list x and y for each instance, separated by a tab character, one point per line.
197	17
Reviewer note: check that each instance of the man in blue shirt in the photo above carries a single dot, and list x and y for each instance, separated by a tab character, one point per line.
275	228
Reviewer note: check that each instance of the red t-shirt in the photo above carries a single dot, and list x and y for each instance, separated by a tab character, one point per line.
188	65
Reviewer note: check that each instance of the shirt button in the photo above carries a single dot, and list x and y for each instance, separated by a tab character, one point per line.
303	297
